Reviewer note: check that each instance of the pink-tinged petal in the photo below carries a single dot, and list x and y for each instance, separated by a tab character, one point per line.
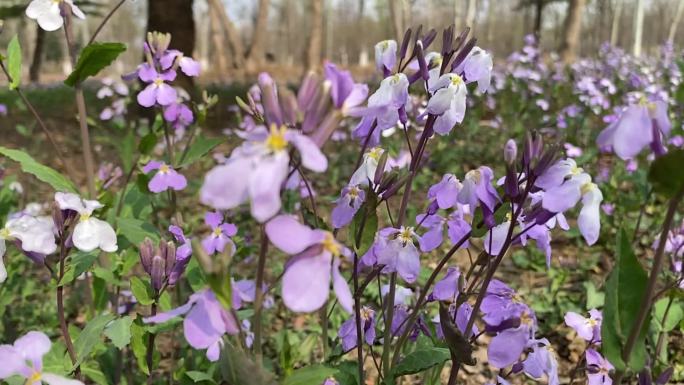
561	198
288	235
159	183
312	157
200	328
166	94
306	283
229	229
214	351
33	346
54	379
344	295
432	238
189	66
264	186
213	219
225	186
148	96
176	181
165	316
169	58
152	165
507	346
12	362
555	175
168	76
408	263
147	73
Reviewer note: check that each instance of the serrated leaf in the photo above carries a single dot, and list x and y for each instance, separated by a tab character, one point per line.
667	174
420	360
136	230
625	289
44	173
196	376
93	59
198	149
310	375
90	336
14	62
142	291
119	331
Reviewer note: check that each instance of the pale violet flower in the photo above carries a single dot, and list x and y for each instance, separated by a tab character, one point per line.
89	233
35	235
448	102
365	174
477	67
385	55
47	13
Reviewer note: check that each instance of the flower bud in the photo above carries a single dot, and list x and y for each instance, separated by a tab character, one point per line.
404	44
307	91
147	251
510	152
269	100
157	272
169	256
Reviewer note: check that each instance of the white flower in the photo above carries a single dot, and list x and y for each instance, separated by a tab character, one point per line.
448	101
477	67
89	233
47	13
36	236
385	55
366	172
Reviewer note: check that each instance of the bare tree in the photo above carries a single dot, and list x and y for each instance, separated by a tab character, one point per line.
234	40
219	52
470	13
398	13
571	34
37	61
313	53
615	29
676	21
638	27
255	56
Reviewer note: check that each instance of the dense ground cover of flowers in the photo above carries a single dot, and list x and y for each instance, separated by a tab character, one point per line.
339	232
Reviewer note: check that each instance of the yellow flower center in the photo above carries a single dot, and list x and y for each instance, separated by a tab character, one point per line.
587	187
366	313
217	232
276	139
158	82
330	245
474	175
395	79
35	377
576	170
456	80
4	233
84	217
525	318
405	234
375	153
164	168
354	192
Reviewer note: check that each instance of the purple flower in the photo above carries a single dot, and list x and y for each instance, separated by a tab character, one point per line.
257	170
457	228
477	67
598	368
205	323
448	102
477	188
572	151
639	125
383	108
346	95
315	261
166	178
446	289
587	328
157	91
3	109
347	331
245	291
542	362
188	65
365	174
221	233
179	114
183	254
608	208
25	359
347	205
395	250
385	55
445	192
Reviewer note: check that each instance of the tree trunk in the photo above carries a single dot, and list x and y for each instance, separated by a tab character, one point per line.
37	61
234	40
174	17
470	14
538	18
615	29
396	8
218	51
571	34
638	27
255	56
313	53
676	21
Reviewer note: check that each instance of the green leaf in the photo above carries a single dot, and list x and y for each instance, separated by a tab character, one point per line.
119	331
420	360
142	291
667	174
196	376
139	344
675	313
136	230
14	62
44	173
90	336
94	374
310	375
199	148
147	143
595	299
79	263
625	289
93	59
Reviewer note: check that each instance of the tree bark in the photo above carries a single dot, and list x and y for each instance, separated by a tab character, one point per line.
676	21
396	8
234	40
638	27
538	18
37	61
471	13
615	29
571	34
255	56
219	52
174	17
313	53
